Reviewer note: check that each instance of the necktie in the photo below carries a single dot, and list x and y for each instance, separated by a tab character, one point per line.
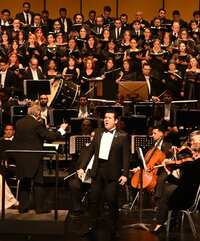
27	19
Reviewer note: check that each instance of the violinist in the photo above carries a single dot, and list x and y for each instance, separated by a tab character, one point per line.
158	132
180	193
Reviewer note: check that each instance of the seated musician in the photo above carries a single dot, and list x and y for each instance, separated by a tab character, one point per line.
77	187
83	107
180	194
158	133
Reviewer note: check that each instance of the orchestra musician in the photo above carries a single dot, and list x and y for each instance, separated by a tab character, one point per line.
180	193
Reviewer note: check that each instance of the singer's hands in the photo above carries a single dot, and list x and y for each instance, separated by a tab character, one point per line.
81	174
64	126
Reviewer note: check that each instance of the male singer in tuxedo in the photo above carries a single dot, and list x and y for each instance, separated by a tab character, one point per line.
30	133
111	150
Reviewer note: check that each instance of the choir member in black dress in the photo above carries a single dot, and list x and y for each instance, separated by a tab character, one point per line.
184	37
127	73
74	51
87	74
110	75
191	82
182	58
61	50
17	68
157	57
134	56
82	38
126	40
51	72
39	34
172	80
72	70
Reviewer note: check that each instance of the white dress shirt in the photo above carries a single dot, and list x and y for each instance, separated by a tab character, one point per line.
34	73
3	77
105	145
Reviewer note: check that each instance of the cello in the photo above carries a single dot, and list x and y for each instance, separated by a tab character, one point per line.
153	158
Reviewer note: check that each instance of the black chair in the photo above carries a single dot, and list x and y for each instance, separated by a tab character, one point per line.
188	212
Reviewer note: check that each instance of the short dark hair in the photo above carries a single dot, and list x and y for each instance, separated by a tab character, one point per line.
92	11
62	10
196	12
162	9
5	11
176	12
124	15
107	9
45	11
26	3
37	14
3	61
160	128
112	111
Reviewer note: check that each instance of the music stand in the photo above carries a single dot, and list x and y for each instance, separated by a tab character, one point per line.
140	225
136	90
34	88
135	124
77	142
59	116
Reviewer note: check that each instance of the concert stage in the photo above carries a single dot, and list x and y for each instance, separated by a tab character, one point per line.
32	223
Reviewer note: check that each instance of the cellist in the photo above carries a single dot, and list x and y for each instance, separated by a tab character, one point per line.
158	132
180	193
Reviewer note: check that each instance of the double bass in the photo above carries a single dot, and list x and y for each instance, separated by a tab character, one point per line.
152	158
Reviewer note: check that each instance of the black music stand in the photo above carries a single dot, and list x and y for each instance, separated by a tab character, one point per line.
59	116
143	167
34	88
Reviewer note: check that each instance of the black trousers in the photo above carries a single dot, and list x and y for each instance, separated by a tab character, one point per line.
77	188
164	203
162	175
100	184
24	191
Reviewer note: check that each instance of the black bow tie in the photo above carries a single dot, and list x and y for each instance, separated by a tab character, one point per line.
109	131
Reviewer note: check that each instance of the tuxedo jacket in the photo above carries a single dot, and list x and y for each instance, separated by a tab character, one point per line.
27	74
113	34
69	24
10	79
29	136
118	159
155	85
20	16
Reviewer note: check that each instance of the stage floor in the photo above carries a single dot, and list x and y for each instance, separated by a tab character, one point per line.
74	228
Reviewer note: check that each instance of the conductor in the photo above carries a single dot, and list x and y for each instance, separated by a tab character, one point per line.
30	133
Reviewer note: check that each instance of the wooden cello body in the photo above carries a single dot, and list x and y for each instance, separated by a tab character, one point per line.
153	157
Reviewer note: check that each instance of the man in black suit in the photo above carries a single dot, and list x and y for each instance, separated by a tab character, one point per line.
91	21
65	22
37	23
139	16
106	15
136	31
111	150
97	30
30	133
124	21
33	71
118	31
180	193
25	17
46	21
5	21
153	84
7	77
